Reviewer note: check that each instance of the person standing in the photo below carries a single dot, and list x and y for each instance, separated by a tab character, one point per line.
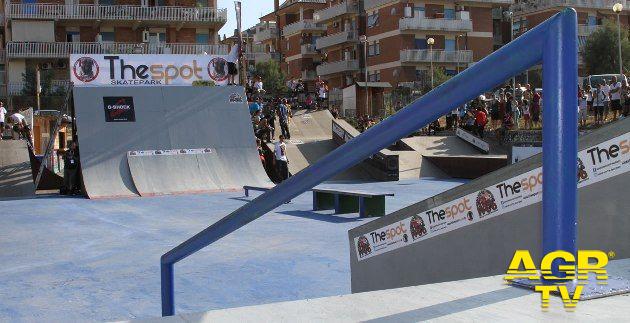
481	118
282	161
71	169
606	91
615	97
598	104
3	114
284	113
583	108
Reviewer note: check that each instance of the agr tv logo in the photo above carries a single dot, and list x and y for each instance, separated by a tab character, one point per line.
588	261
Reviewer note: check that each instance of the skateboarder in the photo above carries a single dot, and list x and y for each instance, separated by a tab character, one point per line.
282	162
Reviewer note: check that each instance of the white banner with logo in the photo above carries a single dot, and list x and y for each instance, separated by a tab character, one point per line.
608	159
147	70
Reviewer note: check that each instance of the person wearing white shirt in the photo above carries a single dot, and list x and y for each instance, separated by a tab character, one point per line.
282	161
258	85
598	103
3	114
615	97
606	90
582	108
20	127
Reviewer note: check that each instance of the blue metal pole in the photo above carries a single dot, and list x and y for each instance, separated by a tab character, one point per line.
168	290
560	142
493	70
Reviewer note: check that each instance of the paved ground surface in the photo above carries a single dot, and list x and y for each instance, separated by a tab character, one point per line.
485	299
67	259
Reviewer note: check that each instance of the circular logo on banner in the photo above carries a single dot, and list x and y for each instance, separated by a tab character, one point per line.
85	69
217	69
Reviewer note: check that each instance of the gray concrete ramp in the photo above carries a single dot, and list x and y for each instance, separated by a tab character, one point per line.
16	178
474	229
166	118
309	126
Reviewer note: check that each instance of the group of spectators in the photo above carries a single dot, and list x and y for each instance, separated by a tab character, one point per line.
263	117
603	100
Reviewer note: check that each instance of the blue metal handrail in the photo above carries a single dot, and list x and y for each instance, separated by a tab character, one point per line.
554	42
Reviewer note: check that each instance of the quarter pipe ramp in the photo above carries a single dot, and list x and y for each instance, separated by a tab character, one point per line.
155	145
16	178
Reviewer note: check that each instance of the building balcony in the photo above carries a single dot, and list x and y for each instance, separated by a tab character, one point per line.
309	75
336	39
170	14
300	26
290	2
16	88
437	56
266	34
308	49
338	67
586	30
435	24
64	49
335	11
522	8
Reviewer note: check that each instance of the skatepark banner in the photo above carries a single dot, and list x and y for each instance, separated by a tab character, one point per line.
597	163
147	70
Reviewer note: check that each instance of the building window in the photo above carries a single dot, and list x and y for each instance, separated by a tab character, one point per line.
420	43
374	48
449	44
73	37
372	20
107	36
449	13
592	20
202	38
201	3
418	12
106	2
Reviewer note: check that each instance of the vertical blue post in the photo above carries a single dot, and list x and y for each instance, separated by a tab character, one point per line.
168	304
560	142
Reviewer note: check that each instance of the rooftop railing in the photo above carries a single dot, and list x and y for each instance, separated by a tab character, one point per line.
116	12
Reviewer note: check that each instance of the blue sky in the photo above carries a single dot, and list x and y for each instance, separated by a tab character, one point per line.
252	10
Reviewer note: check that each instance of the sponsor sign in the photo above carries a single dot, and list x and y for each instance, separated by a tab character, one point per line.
119	109
170	152
597	163
473	140
147	70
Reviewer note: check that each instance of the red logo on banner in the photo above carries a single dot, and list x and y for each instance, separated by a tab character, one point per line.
218	69
85	69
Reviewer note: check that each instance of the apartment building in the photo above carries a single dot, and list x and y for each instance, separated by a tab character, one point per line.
297	34
43	33
591	13
400	34
340	46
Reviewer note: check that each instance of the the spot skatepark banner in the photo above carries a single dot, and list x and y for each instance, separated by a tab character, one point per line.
147	70
597	163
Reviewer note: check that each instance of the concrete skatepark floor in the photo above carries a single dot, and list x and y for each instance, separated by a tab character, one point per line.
68	259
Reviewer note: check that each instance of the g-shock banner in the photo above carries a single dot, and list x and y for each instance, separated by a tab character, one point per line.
119	109
597	163
147	70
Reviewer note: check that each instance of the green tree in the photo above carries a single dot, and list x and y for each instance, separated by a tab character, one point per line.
439	77
273	79
601	51
29	79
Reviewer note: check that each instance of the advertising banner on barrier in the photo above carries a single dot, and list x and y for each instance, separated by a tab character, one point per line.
597	163
147	70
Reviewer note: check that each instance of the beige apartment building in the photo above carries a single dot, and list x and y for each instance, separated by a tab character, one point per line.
43	33
591	13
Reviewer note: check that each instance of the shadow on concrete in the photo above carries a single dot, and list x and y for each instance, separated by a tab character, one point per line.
321	217
456	306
